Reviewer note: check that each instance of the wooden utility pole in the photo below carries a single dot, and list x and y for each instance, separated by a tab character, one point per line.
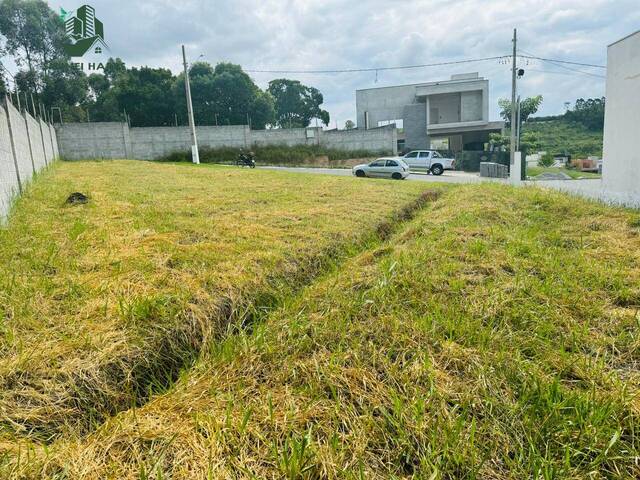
194	141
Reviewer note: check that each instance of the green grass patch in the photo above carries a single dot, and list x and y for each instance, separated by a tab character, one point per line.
574	174
495	335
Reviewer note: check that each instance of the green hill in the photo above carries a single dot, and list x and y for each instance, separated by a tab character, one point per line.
560	136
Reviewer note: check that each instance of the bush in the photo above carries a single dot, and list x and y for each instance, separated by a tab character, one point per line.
546	160
274	155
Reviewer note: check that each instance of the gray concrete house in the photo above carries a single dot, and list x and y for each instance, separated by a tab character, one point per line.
455	109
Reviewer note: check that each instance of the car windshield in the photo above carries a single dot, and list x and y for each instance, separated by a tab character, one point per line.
377	163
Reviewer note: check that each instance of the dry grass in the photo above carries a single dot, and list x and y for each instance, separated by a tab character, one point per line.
493	336
103	304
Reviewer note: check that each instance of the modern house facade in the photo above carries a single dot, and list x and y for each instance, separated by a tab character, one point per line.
621	156
456	110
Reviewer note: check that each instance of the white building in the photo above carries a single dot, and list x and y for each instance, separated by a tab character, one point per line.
621	164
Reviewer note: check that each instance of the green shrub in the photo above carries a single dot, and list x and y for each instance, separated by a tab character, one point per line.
273	154
546	160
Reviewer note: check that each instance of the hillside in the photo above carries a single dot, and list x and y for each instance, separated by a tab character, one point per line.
477	335
559	136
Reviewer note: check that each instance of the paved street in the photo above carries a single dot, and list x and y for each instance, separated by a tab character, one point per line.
588	188
446	177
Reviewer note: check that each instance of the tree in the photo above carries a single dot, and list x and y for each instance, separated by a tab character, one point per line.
262	111
66	87
225	93
349	125
35	35
529	142
589	113
146	94
296	104
528	107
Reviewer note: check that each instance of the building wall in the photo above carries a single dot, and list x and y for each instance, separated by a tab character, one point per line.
19	137
116	140
383	104
621	158
471	106
415	127
447	106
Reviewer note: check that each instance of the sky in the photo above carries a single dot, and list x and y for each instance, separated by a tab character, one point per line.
340	34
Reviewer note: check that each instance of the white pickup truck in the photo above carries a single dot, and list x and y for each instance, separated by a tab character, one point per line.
428	161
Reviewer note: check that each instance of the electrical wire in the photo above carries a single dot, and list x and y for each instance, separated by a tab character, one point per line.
559	63
379	69
531	56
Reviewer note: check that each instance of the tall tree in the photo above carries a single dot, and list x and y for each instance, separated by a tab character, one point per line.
34	34
66	87
589	112
528	107
147	96
296	104
225	94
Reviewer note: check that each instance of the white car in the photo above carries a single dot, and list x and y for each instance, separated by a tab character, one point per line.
428	161
394	168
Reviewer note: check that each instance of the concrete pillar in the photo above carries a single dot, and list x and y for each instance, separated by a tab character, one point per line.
515	175
13	146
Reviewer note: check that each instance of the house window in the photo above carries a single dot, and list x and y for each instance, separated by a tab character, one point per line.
98	50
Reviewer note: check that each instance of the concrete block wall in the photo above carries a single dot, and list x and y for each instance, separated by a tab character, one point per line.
117	140
8	178
46	141
381	139
93	140
37	147
22	152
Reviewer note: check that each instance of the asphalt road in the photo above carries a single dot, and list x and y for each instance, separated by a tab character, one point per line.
446	177
588	188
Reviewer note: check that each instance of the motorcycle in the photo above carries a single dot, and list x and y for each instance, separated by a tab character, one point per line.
246	160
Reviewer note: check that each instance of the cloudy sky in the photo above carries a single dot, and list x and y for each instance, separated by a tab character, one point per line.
339	34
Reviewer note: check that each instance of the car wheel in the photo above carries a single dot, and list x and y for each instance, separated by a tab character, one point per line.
437	170
396	176
359	173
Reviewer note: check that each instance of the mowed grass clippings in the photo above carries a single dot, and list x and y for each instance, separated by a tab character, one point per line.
103	303
494	336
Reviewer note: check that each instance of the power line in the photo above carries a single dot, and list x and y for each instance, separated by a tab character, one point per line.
380	69
552	60
557	63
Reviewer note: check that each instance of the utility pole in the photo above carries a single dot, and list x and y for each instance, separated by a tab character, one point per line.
513	102
518	124
194	141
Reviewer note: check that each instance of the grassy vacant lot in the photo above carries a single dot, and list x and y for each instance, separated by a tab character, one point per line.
102	304
495	335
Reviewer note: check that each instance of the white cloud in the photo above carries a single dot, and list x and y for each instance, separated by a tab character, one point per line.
301	34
